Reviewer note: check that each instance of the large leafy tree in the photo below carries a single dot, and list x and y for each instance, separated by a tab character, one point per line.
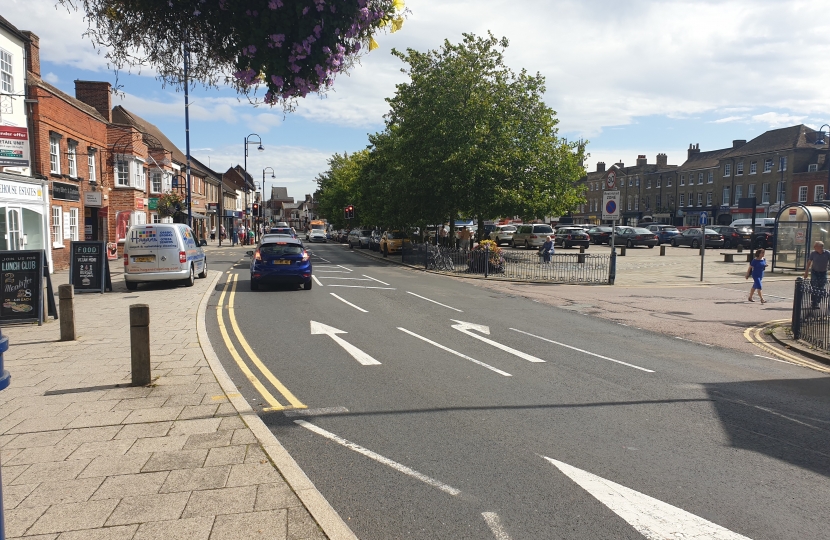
286	48
338	187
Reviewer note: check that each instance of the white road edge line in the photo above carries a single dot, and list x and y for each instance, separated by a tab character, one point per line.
317	281
349	303
379	458
492	520
776	359
348	278
362	287
434	302
464	356
373	279
584	351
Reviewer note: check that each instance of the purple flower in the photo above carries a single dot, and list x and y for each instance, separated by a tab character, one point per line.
305	10
277	80
274	4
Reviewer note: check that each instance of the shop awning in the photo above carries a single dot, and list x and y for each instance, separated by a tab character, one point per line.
197	215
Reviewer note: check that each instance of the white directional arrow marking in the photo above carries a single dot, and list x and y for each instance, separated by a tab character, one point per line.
465	327
357	354
653	519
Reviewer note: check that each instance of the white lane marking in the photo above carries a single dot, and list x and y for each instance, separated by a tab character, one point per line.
464	356
465	327
434	302
583	351
373	279
344	268
363	287
492	520
776	359
689	340
317	281
322	259
318	269
357	354
348	278
349	303
379	458
652	518
315	412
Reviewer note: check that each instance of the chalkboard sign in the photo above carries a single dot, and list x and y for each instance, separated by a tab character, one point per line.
89	270
22	273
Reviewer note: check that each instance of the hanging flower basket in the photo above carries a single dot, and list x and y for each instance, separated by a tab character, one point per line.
171	204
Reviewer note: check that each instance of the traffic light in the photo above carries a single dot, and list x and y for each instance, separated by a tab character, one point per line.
349	212
346	212
256	209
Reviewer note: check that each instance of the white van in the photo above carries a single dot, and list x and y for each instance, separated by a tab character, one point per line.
162	252
759	222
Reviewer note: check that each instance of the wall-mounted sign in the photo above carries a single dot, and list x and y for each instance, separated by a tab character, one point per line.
139	203
153	203
93	198
14	146
65	192
20	191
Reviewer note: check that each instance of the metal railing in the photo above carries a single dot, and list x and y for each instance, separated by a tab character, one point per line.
510	264
811	314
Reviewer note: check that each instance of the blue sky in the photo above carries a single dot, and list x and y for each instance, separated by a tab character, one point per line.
633	77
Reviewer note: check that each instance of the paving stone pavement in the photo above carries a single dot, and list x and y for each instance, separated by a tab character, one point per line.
85	456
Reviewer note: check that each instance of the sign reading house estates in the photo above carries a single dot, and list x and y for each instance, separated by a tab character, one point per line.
65	192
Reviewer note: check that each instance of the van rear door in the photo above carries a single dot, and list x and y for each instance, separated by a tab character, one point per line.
141	248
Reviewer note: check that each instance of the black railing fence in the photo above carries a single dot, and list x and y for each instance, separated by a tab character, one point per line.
510	264
811	314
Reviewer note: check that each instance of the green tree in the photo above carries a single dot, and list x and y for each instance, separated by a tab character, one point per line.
289	48
337	188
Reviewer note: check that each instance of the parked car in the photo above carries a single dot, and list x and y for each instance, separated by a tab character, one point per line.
759	222
733	237
599	235
692	238
503	234
763	237
280	261
359	238
664	232
635	236
374	241
531	236
392	242
162	252
571	236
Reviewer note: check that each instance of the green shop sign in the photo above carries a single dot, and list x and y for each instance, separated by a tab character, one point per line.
153	203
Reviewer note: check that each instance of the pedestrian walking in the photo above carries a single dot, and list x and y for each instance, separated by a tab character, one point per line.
816	267
234	236
756	272
213	233
442	233
465	236
546	250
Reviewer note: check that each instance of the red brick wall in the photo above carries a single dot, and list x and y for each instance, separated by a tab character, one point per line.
124	140
810	179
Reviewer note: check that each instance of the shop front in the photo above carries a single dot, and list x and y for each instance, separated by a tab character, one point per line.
24	214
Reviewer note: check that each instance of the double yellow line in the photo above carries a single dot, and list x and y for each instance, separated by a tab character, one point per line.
755	335
273	403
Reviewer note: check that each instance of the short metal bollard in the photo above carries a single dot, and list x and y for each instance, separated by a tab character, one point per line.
140	344
798	298
580	259
740	248
662	251
622	251
66	296
5	379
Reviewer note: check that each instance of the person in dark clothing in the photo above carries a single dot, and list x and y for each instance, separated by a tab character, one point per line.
816	267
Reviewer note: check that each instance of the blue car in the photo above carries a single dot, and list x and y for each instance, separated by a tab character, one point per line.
665	233
282	260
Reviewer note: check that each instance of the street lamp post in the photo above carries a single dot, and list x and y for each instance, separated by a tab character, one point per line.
264	191
245	168
820	140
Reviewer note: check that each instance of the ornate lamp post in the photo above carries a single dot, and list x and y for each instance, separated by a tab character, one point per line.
264	191
245	168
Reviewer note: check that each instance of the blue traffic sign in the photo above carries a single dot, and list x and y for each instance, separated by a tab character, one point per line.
704	218
610	207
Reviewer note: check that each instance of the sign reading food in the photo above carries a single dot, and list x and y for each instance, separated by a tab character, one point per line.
88	267
22	273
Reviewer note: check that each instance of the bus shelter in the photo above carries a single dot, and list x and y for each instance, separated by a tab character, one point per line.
797	227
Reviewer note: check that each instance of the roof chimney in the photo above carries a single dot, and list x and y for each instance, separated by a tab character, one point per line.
738	143
693	150
620	164
601	166
641	160
662	161
96	94
32	53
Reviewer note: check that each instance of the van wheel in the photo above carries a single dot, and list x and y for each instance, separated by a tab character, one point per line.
131	285
192	278
203	273
307	285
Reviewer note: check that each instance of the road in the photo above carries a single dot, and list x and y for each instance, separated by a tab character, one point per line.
446	410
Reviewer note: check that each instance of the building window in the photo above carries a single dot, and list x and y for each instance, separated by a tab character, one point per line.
802	194
122	173
739	192
6	74
700	199
710	180
767	165
54	154
782	163
155	218
57	226
648	183
155	182
818	194
708	198
753	167
765	193
726	195
139	180
812	167
727	169
668	181
691	199
73	224
682	179
629	203
630	182
750	190
779	192
682	199
739	168
637	181
648	203
657	202
90	160
636	204
72	158
659	181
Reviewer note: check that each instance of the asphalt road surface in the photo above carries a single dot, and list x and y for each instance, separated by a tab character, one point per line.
449	411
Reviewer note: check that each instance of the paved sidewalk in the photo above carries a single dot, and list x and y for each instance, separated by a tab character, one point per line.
86	457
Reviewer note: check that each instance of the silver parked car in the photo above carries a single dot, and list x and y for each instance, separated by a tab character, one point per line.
503	234
531	236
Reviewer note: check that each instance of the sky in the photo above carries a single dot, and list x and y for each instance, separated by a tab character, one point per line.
631	77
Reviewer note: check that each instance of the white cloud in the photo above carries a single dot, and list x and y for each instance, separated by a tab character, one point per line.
728	119
777	120
52	78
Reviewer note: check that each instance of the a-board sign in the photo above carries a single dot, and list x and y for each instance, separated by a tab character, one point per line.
89	270
22	273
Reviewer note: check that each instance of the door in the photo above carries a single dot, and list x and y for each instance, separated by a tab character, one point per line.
15	235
